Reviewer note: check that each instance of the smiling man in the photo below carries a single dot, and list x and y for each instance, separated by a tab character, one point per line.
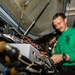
65	48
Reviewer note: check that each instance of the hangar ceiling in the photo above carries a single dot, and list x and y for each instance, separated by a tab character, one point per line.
40	11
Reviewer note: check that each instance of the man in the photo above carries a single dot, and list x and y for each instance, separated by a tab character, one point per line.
65	47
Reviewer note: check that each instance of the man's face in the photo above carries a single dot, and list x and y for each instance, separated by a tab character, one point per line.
60	24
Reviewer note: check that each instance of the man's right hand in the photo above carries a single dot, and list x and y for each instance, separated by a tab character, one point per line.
52	41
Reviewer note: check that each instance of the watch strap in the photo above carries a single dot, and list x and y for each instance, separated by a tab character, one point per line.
64	57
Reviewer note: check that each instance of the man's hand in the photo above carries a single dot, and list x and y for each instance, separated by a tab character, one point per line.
57	58
52	40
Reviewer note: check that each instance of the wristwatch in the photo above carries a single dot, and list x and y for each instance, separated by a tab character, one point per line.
64	57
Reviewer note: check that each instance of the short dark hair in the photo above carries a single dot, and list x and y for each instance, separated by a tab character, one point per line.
62	15
59	14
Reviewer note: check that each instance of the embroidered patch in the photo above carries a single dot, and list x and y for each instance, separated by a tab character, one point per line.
67	39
